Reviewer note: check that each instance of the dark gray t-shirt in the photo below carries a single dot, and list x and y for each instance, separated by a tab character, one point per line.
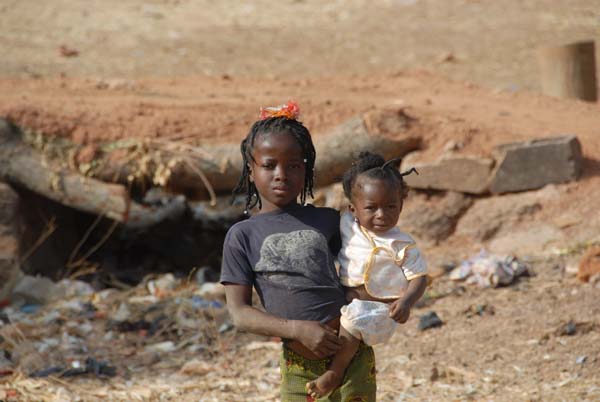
287	256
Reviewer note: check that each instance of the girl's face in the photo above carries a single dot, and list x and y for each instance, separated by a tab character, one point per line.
277	170
376	203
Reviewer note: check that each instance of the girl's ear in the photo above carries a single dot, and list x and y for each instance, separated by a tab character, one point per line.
352	209
250	173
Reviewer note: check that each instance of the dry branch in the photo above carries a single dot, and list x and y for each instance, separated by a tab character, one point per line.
20	165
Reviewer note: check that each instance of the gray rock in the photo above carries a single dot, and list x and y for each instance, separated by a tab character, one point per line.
466	174
533	164
433	219
490	217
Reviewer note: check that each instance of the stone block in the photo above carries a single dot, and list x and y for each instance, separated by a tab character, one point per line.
465	174
534	164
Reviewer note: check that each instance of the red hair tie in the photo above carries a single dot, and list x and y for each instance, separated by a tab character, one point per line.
291	110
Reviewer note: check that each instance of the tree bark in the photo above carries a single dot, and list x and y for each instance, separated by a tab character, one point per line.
569	71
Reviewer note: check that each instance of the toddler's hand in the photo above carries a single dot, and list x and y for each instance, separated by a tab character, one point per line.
319	338
399	311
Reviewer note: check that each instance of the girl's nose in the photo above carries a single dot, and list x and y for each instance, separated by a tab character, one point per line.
280	173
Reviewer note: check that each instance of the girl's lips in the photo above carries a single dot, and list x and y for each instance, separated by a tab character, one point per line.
280	190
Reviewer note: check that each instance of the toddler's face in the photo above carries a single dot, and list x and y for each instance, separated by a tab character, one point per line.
376	203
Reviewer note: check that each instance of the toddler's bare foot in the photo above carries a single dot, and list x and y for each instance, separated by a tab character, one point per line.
327	382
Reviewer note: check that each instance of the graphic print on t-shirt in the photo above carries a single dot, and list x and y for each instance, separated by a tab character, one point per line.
298	259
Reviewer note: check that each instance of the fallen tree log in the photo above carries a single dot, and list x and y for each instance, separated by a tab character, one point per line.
22	166
182	169
199	171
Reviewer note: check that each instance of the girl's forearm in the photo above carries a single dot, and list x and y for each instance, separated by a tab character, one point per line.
251	319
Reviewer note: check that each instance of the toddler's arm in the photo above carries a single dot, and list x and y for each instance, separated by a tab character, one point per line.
400	309
320	339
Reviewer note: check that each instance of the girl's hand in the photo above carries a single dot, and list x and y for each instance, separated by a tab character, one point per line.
400	311
322	340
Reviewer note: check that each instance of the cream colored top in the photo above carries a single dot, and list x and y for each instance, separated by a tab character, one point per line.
383	263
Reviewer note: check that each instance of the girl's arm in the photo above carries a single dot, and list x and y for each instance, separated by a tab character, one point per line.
320	339
400	309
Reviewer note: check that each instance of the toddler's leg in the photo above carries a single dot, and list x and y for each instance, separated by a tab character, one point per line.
333	377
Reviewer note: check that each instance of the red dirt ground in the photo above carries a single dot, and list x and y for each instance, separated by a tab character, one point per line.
198	71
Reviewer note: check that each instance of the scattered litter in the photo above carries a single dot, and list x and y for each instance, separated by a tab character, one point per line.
163	286
199	302
196	367
122	314
49	334
487	270
581	359
68	288
92	366
225	327
570	328
163	347
211	290
33	290
30	308
429	320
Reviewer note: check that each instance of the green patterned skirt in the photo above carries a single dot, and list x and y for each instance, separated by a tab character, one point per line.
359	382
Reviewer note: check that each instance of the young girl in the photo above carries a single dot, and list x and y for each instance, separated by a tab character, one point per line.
383	272
286	252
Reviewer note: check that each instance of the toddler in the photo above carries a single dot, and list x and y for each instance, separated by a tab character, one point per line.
382	271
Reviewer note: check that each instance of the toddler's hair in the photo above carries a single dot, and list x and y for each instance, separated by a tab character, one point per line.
275	126
374	166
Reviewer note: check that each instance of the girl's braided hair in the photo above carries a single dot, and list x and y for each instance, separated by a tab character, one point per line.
271	126
374	166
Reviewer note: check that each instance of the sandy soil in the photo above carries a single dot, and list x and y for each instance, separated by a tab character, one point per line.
197	72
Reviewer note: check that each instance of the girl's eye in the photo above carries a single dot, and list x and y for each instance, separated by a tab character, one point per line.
268	165
369	208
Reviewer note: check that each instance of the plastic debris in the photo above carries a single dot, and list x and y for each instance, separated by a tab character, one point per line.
199	302
139	327
30	308
429	320
92	366
196	367
34	290
167	346
485	270
211	290
225	327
